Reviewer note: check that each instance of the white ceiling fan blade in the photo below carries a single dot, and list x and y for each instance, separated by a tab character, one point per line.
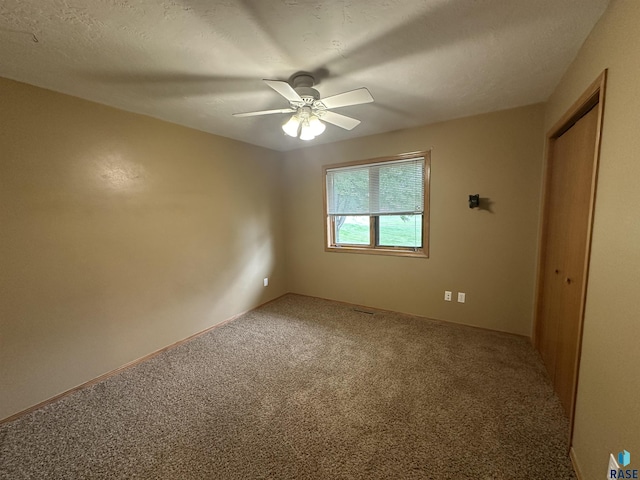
341	121
284	89
264	112
353	97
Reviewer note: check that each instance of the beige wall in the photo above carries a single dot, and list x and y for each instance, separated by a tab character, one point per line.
121	234
488	255
608	402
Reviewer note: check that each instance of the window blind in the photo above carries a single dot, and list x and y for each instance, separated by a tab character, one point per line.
385	188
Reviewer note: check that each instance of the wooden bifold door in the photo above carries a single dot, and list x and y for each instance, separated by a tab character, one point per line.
572	154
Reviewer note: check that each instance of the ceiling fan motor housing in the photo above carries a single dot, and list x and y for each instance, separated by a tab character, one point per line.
303	85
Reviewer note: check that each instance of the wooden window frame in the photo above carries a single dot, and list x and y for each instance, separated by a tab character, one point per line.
372	248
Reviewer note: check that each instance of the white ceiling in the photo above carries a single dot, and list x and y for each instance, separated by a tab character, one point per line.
195	62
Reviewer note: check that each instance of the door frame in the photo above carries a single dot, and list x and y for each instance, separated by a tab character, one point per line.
593	97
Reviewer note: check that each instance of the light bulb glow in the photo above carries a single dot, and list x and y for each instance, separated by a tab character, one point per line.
316	126
306	132
291	126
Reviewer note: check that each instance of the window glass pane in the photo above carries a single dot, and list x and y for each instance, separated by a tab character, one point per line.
400	231
348	192
399	187
352	230
393	187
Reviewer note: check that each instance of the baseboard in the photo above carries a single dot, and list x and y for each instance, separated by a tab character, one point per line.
449	322
574	462
133	363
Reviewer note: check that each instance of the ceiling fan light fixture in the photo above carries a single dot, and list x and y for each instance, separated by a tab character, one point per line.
292	126
304	122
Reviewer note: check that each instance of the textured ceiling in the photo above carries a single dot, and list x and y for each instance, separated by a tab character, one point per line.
195	62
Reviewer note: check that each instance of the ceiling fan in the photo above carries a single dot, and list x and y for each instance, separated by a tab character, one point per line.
309	110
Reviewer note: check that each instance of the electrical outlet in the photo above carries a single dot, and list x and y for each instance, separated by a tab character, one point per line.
447	295
266	282
462	297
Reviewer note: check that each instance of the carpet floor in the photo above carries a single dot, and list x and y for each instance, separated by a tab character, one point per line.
304	388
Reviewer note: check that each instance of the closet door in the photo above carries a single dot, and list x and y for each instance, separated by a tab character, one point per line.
565	243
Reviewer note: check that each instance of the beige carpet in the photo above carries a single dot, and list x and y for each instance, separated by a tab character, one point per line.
308	388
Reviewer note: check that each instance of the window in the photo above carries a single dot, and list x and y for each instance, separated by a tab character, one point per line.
378	206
